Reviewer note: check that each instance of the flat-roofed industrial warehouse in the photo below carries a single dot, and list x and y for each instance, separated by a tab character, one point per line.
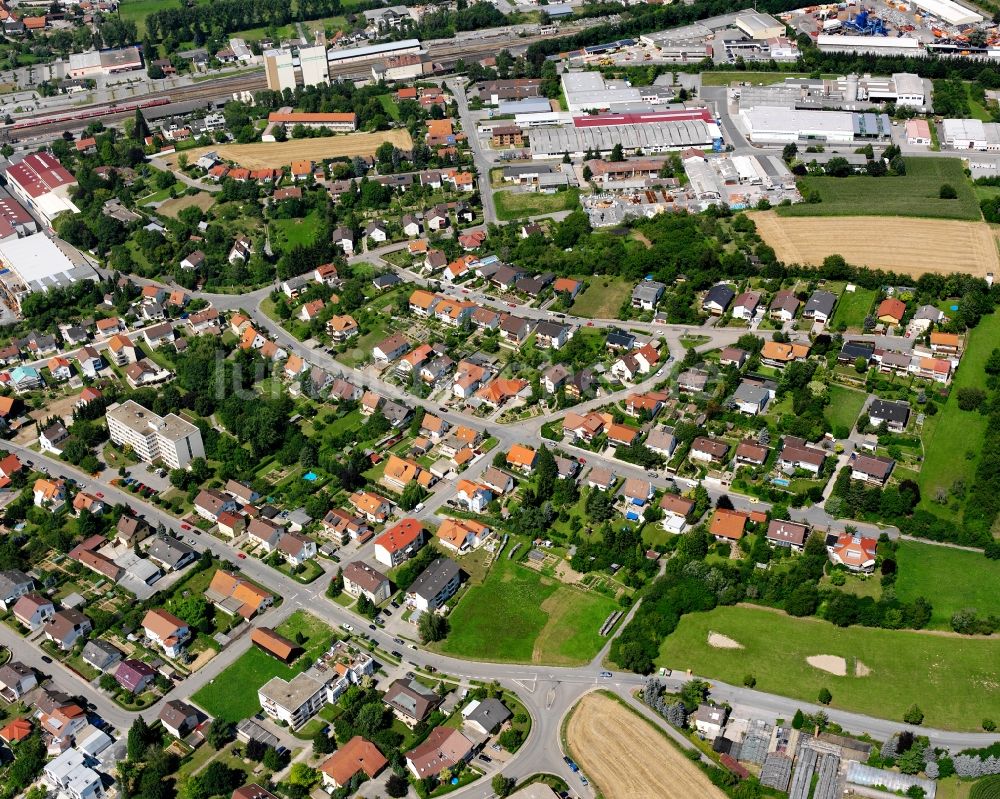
651	138
787	125
349	55
951	12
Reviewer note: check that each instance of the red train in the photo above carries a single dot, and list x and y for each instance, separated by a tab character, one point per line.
94	112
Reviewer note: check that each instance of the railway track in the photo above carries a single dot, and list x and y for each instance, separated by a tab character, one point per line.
444	51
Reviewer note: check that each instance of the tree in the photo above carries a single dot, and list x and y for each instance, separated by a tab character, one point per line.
219	733
971	398
825	697
141	129
947	192
273	760
322	743
913	715
616	153
502	786
788	153
396	786
138	739
432	627
798	720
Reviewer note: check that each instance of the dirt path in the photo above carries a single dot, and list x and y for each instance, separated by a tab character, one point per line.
626	757
905	245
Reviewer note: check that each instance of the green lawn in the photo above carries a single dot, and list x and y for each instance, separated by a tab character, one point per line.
602	298
767	78
986	192
853	307
951	679
845	406
389	104
952	579
914	194
289	233
517	205
233	694
954	431
138	10
519	616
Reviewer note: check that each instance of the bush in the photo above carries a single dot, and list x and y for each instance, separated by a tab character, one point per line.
913	715
948	192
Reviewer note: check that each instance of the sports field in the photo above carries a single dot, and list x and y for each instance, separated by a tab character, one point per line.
626	757
905	245
519	616
274	155
952	679
913	194
952	579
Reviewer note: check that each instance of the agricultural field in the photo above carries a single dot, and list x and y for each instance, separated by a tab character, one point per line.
952	433
913	194
602	298
626	756
520	616
905	245
852	308
275	155
952	579
900	668
845	407
521	204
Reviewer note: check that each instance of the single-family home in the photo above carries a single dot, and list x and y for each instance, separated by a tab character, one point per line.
717	299
708	450
745	305
134	675
166	631
65	626
178	718
783	533
854	551
360	579
357	756
891	311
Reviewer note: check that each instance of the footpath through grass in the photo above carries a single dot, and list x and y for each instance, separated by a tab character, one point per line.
952	579
951	679
519	616
956	432
913	194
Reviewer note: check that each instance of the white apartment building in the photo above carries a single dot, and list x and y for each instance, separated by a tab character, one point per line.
168	438
292	702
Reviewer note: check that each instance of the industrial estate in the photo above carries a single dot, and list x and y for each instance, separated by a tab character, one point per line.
500	398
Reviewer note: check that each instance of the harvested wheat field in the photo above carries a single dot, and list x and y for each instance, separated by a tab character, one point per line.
626	758
901	244
274	155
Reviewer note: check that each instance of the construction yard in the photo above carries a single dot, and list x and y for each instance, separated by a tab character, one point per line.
626	757
905	245
275	155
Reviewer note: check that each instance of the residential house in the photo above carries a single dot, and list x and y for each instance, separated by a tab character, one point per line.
344	238
25	378
484	717
357	756
193	261
549	335
710	720
750	398
101	655
717	299
796	453
462	535
65	626
49	494
16	680
71	775
468	379
342	526
166	631
399	542
264	533
209	503
360	579
155	335
497	480
783	306
341	327
171	554
33	610
134	675
661	441
91	363
779	354
924	317
854	551
647	294
410	701
521	457
501	390
178	718
390	349
891	311
515	330
237	597
296	548
944	343
732	356
783	533
708	450
676	511
445	748
746	305
60	368
819	307
750	453
728	525
370	506
894	415
13	585
871	468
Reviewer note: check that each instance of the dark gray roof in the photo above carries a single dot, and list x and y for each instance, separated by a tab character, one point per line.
721	294
890	411
11	580
857	349
489	714
434	578
169	551
820	302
